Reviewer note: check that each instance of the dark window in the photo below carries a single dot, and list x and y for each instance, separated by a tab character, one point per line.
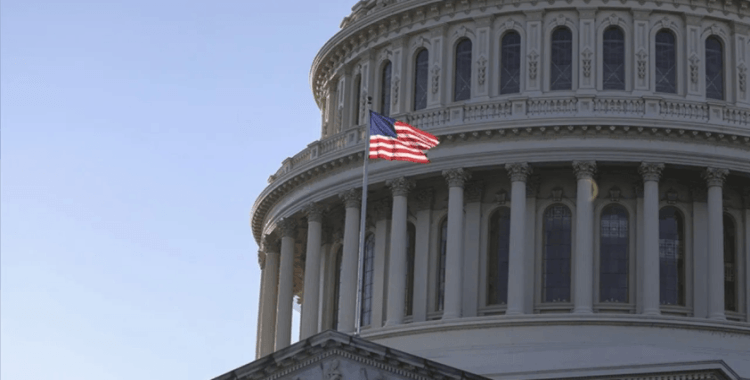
613	254
462	82
666	62
411	234
671	257
613	60
420	79
730	264
337	288
358	91
714	69
497	257
556	260
510	63
441	265
385	90
561	75
367	268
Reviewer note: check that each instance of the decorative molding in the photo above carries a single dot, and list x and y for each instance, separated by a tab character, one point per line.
533	183
314	212
352	198
586	55
382	208
694	66
288	227
532	58
614	194
456	177
518	171
671	196
715	176
742	76
584	169
435	79
400	186
423	199
501	197
642	60
261	259
481	69
395	89
557	193
650	171
698	194
473	191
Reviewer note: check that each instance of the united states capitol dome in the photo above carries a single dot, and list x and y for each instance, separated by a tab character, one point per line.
586	214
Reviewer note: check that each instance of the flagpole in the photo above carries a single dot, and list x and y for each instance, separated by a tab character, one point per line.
362	220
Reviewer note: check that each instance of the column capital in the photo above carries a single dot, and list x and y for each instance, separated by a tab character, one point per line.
423	199
584	169
352	198
400	186
715	176
288	227
518	171
269	245
456	177
650	171
261	259
314	212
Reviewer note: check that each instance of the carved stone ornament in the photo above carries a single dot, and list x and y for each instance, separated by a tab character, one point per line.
481	70
314	212
423	199
650	171
456	177
288	227
614	194
332	372
400	186
270	245
435	79
381	208
533	56
671	196
586	55
557	194
614	19
362	105
396	86
694	61
352	198
584	169
473	191
518	171
501	197
715	176
261	259
742	76
642	60
560	20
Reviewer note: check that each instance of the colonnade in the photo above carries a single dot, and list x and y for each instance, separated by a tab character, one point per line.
276	298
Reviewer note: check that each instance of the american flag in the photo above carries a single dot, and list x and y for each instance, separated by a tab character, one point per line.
395	140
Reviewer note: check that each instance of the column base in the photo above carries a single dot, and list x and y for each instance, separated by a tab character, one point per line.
449	316
651	313
718	317
583	310
512	313
392	323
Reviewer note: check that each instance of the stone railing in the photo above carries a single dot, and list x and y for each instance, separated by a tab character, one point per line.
506	111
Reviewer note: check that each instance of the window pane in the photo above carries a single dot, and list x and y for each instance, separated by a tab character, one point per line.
556	260
666	62
613	251
671	257
510	63
497	257
441	265
420	80
337	288
714	69
367	280
462	82
411	234
613	60
385	90
730	264
561	75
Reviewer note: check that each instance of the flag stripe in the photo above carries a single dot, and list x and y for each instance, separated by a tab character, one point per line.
395	140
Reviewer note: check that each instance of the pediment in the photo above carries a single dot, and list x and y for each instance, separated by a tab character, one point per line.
332	355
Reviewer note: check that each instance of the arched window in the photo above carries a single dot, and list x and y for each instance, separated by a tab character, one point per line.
358	91
411	234
462	80
497	257
561	69
337	288
385	90
510	63
441	265
613	59
613	254
671	257
421	67
730	264
714	68
556	257
367	280
666	62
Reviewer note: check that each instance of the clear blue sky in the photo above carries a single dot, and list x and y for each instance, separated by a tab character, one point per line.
136	136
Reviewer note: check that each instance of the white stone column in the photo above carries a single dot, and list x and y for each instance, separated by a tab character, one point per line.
651	173
309	322
584	259
286	283
397	265
349	262
423	205
381	213
454	242
518	173
715	180
269	297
